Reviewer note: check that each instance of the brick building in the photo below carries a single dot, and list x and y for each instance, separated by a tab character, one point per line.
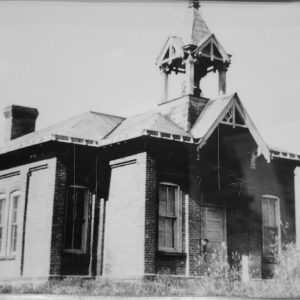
99	194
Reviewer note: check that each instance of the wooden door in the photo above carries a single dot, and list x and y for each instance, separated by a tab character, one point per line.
215	230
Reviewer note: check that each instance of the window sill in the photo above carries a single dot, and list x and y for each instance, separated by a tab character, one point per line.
171	253
77	252
7	258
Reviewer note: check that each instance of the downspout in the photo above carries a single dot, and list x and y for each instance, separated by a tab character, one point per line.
92	234
187	236
297	205
100	254
94	199
24	222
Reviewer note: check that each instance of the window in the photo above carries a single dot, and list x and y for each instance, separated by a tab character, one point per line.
9	211
2	215
271	229
76	219
169	221
13	222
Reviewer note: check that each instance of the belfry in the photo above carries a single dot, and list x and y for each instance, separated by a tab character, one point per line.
195	55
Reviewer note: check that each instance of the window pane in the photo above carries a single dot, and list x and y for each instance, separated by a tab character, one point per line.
68	236
171	200
78	228
13	215
69	205
162	239
162	200
80	205
13	238
272	212
265	212
1	239
169	233
1	211
162	232
168	201
15	202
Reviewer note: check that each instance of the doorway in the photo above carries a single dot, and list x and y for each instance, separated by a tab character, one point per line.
214	231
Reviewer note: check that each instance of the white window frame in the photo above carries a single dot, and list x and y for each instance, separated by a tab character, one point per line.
3	225
10	223
277	218
178	222
6	251
83	249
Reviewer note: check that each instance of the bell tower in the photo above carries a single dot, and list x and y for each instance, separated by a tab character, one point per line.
195	53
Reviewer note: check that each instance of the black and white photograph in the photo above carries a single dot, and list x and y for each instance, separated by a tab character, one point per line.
149	149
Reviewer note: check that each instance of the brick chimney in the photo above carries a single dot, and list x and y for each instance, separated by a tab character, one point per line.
20	120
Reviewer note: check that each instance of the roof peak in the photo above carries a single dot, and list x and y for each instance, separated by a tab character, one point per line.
195	4
193	28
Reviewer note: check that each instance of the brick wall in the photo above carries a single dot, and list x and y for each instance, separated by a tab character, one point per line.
242	204
164	166
57	235
151	217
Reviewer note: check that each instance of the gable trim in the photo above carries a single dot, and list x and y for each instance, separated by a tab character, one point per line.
235	101
211	39
171	41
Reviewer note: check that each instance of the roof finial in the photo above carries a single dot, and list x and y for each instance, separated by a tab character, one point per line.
195	4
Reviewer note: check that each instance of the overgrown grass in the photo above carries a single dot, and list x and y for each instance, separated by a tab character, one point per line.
162	286
222	281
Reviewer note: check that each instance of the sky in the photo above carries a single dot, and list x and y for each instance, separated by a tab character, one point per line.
68	57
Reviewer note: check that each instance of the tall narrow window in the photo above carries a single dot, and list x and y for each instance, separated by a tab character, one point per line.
168	217
76	219
2	214
13	222
271	229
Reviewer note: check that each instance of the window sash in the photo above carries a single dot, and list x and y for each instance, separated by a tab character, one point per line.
271	228
2	222
168	217
167	232
13	223
76	219
9	218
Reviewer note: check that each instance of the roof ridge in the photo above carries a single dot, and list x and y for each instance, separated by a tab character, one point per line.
151	122
104	114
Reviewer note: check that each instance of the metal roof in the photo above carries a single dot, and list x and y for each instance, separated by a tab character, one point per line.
193	28
151	120
150	123
96	129
101	130
89	126
210	114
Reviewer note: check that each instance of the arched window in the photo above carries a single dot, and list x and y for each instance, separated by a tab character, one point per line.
76	219
169	237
